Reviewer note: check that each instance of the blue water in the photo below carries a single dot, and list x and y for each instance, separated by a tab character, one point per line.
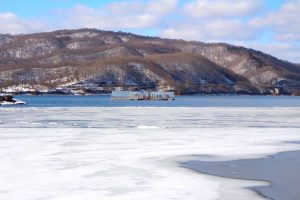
181	101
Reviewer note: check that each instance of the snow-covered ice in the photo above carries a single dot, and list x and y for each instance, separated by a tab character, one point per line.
132	153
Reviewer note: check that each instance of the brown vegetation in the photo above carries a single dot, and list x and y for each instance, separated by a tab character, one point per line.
127	60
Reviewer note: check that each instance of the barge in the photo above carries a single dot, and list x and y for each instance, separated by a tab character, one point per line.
142	95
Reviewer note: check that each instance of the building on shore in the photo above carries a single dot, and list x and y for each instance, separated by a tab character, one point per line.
142	95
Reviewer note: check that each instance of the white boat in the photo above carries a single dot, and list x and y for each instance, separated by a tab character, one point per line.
11	101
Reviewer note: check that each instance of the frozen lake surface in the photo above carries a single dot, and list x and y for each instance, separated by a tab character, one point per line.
120	153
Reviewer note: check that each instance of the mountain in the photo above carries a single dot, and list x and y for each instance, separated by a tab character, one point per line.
94	61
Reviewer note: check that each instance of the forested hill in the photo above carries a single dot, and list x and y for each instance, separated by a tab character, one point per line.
94	61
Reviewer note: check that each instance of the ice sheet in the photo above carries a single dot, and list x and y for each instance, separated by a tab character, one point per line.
131	153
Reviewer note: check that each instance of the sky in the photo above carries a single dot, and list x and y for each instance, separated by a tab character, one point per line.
272	26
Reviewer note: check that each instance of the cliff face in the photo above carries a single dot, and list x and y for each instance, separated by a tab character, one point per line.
92	61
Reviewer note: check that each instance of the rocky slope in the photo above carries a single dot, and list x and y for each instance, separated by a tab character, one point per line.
93	61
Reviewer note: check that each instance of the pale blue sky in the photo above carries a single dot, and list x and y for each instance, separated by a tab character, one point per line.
35	8
268	25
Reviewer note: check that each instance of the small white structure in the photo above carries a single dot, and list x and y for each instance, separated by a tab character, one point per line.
161	95
142	95
127	95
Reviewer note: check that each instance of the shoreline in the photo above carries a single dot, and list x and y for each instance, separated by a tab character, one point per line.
62	93
109	94
281	170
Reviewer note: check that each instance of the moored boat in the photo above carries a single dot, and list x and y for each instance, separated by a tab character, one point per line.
10	100
142	95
